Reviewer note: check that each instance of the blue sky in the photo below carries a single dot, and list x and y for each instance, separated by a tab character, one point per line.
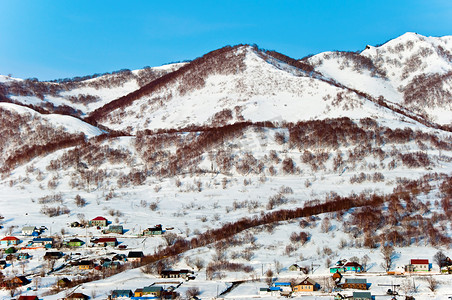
51	39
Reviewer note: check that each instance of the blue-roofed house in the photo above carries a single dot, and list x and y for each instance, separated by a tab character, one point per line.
284	286
153	290
118	294
43	242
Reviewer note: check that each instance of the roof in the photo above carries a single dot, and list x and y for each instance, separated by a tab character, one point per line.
135	254
29	228
419	262
355	280
122	292
352	264
10	238
115	227
75	240
308	281
282	283
274	288
152	289
42	240
99	219
78	295
105	240
28	297
362	295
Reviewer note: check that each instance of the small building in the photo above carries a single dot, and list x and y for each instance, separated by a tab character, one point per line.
77	296
64	282
2	264
43	242
104	242
307	285
30	231
75	242
156	230
19	281
53	255
76	224
355	283
9	240
284	286
121	294
362	296
275	291
23	255
111	265
418	265
138	292
352	266
176	273
294	267
98	221
114	229
119	257
264	291
135	256
153	290
85	265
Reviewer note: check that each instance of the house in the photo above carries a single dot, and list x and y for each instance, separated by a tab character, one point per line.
28	298
156	230
120	257
138	293
418	265
104	242
43	242
294	267
19	281
153	290
111	265
307	285
355	283
114	229
23	256
352	266
77	296
284	286
76	224
361	296
64	282
135	256
275	291
30	230
75	242
176	273
98	221
121	294
264	291
85	265
9	240
53	255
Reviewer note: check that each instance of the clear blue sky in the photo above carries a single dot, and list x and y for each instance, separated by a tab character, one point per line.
51	39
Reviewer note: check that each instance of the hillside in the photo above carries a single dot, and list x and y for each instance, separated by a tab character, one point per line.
251	161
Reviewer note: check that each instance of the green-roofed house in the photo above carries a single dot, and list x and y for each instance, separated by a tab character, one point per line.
153	290
75	242
362	296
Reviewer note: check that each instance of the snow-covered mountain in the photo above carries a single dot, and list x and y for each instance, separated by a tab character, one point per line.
237	136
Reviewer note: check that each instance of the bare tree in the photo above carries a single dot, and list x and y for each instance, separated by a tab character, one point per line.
388	257
269	278
169	238
192	292
439	258
199	263
432	283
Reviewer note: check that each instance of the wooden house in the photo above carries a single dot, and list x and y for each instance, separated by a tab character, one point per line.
75	242
64	282
30	231
135	256
121	294
153	290
355	283
418	265
156	230
176	273
138	292
307	285
53	255
104	242
85	265
9	240
114	229
77	296
352	266
98	221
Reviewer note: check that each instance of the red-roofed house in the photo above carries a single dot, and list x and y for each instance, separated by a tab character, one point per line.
420	265
9	240
98	221
102	242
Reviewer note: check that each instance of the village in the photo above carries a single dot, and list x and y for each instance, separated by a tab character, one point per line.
57	257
